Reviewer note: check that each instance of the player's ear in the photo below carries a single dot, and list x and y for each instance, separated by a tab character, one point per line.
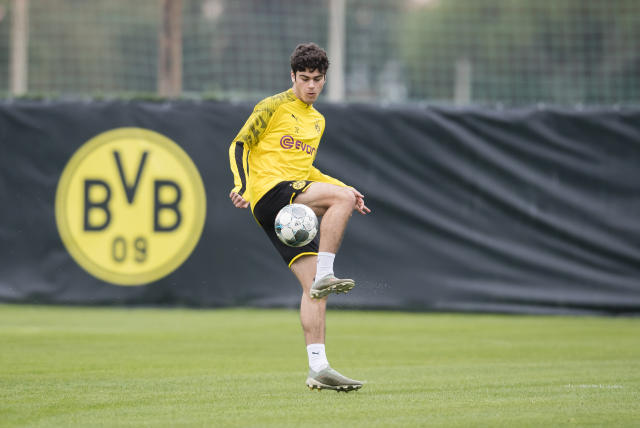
293	77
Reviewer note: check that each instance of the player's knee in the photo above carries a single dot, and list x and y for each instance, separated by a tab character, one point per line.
346	197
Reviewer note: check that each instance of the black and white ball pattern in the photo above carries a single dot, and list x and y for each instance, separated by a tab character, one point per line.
296	225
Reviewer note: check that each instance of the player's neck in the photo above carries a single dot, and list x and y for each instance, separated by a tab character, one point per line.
293	88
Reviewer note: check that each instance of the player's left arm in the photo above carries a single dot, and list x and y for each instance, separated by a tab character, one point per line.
316	175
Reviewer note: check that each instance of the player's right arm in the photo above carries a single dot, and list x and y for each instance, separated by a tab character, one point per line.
239	150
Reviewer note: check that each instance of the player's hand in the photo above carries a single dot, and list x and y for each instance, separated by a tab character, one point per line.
238	201
360	206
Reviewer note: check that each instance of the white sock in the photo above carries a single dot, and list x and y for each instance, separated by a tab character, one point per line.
325	264
317	357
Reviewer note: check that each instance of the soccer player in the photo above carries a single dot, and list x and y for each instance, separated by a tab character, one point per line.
272	163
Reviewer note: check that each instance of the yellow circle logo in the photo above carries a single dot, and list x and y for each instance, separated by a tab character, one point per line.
299	184
130	206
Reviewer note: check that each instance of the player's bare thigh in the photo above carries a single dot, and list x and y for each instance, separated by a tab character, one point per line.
320	196
304	268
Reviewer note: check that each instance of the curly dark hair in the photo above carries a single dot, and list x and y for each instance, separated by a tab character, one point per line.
309	56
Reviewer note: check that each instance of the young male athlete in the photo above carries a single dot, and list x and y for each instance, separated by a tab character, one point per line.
272	163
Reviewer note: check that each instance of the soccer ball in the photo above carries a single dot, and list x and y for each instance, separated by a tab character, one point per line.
296	225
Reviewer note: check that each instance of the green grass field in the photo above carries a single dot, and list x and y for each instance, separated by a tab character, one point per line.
65	367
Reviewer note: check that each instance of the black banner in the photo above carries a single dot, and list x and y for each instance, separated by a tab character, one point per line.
528	211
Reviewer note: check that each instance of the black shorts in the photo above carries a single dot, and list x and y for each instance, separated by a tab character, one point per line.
267	209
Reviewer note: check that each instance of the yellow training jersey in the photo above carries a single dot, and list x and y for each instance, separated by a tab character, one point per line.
279	142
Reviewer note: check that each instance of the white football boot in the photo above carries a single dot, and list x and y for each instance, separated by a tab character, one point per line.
330	284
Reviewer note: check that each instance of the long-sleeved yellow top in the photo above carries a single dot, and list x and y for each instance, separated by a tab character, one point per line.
278	142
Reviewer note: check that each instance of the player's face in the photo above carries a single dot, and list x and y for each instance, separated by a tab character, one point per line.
307	85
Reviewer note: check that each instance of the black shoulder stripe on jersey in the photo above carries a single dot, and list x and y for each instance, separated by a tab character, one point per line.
240	166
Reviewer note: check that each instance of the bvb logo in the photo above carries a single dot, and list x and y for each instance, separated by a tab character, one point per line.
130	206
299	184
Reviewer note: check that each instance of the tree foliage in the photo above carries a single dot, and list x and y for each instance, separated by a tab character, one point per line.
576	51
520	52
